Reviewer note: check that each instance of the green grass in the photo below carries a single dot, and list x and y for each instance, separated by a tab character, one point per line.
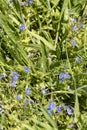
45	46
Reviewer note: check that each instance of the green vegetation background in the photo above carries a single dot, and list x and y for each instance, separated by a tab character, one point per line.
53	41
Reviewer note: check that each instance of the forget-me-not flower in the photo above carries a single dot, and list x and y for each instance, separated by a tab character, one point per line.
13	83
51	106
69	110
74	28
49	112
73	42
18	97
26	70
21	27
58	109
30	1
66	75
27	90
63	76
78	59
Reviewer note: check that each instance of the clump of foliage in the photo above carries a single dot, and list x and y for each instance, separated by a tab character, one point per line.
43	75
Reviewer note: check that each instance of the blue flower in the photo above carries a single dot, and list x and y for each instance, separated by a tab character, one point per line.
49	112
51	106
78	59
13	83
22	27
14	75
66	75
69	110
74	28
74	43
30	1
58	109
26	70
61	77
81	24
27	90
18	97
43	91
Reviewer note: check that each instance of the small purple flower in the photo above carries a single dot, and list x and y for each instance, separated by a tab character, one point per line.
78	59
14	75
51	106
58	109
74	28
69	110
66	75
22	27
49	112
74	43
30	1
27	90
81	24
13	83
43	91
26	70
61	77
18	97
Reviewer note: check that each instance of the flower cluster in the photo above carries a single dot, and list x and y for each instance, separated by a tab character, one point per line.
15	76
63	76
67	108
26	3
